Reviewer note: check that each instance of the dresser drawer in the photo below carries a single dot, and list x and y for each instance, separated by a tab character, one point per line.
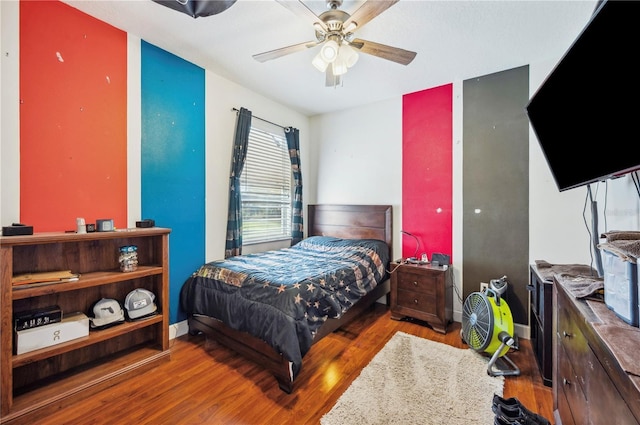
571	338
416	282
563	411
571	388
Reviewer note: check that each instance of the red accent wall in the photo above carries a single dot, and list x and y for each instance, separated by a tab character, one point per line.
73	118
427	170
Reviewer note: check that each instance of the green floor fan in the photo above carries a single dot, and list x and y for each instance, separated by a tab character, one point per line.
487	327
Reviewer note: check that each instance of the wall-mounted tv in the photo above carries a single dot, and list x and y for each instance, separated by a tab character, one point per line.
586	114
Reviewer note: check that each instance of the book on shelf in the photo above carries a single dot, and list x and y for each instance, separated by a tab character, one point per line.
36	317
44	278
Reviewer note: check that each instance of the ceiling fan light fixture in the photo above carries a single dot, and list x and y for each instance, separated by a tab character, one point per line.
329	51
339	67
334	31
319	63
348	55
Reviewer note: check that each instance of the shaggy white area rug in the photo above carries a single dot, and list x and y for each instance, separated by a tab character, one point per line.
413	380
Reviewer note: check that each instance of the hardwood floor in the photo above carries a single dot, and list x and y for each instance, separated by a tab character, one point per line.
205	383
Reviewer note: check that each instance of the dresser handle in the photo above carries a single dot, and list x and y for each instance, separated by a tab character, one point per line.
415	283
566	334
415	301
565	381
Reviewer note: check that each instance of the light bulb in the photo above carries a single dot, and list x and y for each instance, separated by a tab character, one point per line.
319	63
348	55
329	51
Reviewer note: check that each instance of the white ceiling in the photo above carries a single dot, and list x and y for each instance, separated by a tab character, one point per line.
454	40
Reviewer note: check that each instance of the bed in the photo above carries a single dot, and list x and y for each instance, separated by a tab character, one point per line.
272	307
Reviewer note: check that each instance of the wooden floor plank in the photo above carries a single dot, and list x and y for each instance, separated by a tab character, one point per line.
205	383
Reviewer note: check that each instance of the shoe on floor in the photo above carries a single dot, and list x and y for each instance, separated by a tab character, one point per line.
518	415
510	402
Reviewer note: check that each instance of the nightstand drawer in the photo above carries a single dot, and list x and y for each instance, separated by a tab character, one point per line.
417	282
418	301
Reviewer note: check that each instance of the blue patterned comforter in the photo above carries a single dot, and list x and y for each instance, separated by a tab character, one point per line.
284	296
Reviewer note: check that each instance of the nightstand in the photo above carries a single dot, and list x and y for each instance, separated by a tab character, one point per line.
423	292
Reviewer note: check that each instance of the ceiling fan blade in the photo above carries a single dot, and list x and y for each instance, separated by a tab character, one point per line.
369	10
274	54
303	11
383	51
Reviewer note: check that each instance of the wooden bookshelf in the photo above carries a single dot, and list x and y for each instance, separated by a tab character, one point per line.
55	376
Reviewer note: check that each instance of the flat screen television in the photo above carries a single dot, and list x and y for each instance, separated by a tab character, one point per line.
586	113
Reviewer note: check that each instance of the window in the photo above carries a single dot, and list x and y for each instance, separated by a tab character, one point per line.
266	188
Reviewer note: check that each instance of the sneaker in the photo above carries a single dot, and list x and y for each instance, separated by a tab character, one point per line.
510	403
518	415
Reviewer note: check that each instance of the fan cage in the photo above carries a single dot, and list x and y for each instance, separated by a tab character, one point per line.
477	321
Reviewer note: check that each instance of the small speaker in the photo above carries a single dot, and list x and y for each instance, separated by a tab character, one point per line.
105	225
147	222
442	259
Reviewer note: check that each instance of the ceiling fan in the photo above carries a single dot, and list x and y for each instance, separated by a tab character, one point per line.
334	30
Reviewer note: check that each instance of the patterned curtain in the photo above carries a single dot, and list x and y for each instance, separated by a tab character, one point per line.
293	143
233	245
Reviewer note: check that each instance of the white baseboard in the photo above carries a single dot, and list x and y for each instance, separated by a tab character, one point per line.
523	331
178	329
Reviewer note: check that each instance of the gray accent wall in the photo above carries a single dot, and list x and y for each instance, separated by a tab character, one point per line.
496	185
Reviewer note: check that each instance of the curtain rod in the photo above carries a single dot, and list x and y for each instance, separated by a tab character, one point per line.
262	119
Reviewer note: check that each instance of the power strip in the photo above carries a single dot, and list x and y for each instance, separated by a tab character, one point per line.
416	261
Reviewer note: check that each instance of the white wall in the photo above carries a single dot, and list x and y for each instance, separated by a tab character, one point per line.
358	155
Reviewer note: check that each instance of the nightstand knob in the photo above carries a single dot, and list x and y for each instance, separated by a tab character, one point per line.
415	301
565	381
566	334
415	283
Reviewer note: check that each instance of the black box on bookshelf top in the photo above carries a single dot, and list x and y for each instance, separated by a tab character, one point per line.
36	317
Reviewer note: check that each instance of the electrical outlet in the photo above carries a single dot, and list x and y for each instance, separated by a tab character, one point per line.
483	286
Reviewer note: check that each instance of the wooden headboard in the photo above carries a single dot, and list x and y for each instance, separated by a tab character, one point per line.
351	221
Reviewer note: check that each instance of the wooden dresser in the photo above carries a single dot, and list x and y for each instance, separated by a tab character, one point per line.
423	292
593	350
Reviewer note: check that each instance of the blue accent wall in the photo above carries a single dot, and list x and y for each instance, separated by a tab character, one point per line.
173	172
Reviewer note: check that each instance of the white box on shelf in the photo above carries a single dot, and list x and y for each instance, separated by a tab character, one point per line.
72	326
